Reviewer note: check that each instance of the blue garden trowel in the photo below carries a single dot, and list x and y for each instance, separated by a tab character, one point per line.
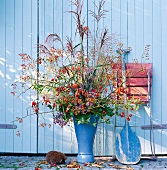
128	147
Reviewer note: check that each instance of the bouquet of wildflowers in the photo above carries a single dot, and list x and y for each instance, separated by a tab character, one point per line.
77	80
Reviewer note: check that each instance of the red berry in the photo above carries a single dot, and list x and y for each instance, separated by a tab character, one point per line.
85	164
127	118
104	112
36	110
130	115
100	87
122	89
47	101
21	164
54	105
34	103
122	114
54	164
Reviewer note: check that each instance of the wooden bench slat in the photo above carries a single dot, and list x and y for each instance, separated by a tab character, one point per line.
134	73
147	66
139	82
132	70
137	90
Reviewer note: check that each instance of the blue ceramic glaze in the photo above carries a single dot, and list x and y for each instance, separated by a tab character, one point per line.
128	147
85	134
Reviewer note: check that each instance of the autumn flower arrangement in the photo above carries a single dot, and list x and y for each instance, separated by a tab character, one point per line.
77	80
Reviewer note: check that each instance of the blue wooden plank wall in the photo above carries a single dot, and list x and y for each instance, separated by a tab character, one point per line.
136	22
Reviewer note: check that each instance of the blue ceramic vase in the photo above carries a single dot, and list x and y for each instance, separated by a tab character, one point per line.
85	134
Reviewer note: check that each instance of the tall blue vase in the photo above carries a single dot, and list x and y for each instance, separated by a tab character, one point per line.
85	134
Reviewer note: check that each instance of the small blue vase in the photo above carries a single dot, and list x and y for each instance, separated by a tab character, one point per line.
85	134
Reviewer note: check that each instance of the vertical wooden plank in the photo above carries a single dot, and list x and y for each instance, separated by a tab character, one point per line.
138	51
157	67
132	43
24	37
148	29
58	26
147	39
33	35
55	27
46	22
164	70
2	70
66	30
10	58
26	48
131	35
42	37
72	26
109	134
61	14
116	30
18	49
124	22
131	29
139	29
116	17
92	27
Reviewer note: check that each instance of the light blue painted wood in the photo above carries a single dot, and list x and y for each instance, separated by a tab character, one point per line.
124	22
109	136
131	19
2	70
27	46
142	21
9	74
19	49
157	67
148	29
45	26
147	39
116	17
33	36
164	79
